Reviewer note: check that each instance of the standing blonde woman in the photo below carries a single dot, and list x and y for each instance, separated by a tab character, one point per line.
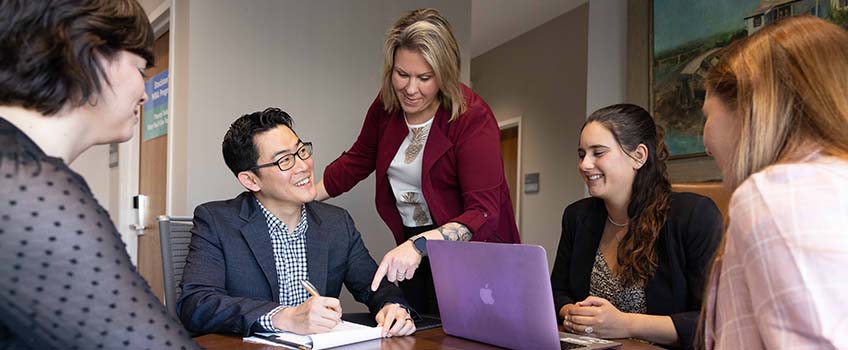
777	124
434	145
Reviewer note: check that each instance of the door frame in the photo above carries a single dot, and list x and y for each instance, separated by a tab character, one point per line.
519	185
128	153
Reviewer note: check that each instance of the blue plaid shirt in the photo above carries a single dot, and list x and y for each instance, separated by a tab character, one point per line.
290	261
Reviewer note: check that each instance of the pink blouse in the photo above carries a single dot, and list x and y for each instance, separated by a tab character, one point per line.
783	278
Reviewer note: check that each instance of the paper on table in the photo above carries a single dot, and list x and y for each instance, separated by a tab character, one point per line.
344	333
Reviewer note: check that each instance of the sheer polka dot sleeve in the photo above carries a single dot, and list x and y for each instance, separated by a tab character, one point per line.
66	281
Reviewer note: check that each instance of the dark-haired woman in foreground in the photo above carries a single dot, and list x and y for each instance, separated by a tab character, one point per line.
632	258
70	78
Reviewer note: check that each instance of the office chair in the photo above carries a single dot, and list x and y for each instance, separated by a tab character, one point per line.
174	236
711	189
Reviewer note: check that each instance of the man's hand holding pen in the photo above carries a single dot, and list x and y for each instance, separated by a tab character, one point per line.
316	315
321	314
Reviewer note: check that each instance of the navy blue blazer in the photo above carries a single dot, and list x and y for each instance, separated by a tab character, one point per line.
685	247
230	279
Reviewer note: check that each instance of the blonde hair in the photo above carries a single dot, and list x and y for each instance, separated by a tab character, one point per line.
426	32
788	85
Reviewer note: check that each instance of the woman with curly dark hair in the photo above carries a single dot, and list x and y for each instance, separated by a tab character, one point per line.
632	258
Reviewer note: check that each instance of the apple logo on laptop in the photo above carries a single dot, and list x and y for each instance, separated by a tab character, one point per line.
486	295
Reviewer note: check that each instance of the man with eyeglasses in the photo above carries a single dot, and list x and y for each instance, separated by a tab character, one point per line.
249	255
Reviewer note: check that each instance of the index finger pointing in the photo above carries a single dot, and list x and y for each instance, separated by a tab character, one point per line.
378	277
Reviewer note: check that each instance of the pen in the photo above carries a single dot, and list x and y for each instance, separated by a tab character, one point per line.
312	290
285	343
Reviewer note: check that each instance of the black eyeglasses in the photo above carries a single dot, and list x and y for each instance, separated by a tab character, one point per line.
287	161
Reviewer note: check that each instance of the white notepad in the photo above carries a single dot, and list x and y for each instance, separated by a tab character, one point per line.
343	334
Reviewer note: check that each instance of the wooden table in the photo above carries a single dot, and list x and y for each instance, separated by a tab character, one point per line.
430	339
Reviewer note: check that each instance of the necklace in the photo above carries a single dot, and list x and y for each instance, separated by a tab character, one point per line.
615	223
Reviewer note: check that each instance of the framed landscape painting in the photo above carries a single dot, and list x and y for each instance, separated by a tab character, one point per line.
686	40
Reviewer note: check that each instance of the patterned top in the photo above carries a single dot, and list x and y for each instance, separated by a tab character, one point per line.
405	176
606	285
782	281
290	260
66	280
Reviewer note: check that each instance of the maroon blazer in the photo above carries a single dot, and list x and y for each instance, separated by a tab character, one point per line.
462	171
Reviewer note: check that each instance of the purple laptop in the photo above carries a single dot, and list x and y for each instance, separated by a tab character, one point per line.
498	294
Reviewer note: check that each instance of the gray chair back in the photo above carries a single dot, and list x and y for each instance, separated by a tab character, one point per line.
174	238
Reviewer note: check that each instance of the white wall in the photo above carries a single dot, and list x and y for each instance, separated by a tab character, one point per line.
541	76
553	77
318	60
606	72
606	77
93	165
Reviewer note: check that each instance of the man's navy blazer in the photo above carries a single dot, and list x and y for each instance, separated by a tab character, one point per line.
230	278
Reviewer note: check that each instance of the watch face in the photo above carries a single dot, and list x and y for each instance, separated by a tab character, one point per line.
421	244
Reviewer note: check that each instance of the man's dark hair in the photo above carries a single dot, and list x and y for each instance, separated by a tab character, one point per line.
49	49
240	152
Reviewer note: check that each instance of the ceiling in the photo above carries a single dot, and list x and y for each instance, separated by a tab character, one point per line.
493	22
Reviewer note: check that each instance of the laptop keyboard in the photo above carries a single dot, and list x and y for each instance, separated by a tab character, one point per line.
427	322
570	341
567	346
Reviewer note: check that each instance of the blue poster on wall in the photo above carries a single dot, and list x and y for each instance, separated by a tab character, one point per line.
155	119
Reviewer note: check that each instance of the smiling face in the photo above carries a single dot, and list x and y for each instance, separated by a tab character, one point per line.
607	170
286	189
415	85
719	129
117	109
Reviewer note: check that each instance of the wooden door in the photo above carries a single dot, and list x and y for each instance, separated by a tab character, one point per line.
152	177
